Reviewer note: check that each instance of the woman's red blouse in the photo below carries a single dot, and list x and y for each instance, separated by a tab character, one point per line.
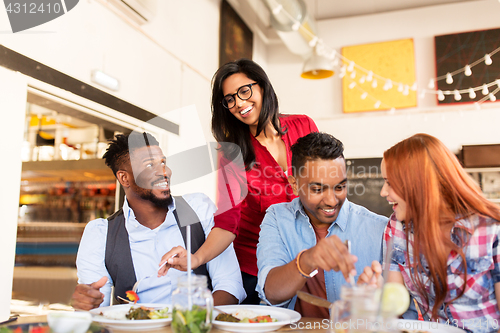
267	184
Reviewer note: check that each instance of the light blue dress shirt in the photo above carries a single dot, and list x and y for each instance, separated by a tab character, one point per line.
148	246
286	230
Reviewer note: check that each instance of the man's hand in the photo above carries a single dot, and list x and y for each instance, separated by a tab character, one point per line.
177	258
330	253
372	275
88	296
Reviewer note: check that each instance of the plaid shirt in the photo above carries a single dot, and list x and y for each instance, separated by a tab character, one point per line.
476	310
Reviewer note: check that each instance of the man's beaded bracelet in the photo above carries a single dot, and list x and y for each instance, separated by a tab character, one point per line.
312	274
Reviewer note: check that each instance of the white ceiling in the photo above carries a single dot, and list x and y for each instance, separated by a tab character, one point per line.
257	16
329	9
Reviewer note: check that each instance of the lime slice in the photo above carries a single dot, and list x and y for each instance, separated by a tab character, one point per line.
180	317
396	298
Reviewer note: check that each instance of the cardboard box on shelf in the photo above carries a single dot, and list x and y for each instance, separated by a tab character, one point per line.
480	156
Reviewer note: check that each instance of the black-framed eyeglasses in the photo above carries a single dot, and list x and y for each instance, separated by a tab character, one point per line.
243	93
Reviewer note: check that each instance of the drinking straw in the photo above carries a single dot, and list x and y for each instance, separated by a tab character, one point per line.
188	245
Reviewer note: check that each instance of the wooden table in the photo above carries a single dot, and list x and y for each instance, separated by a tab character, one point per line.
309	325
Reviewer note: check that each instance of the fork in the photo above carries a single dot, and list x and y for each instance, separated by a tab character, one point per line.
351	277
123	299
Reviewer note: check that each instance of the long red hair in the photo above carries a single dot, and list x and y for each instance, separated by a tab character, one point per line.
437	191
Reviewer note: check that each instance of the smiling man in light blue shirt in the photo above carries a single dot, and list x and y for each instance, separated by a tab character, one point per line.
301	244
128	247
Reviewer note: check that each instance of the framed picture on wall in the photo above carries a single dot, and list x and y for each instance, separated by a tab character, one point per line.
394	60
236	39
455	51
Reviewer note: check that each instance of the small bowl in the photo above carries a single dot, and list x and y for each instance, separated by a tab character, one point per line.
69	322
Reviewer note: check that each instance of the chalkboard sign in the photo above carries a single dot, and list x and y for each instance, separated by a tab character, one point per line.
366	192
364	182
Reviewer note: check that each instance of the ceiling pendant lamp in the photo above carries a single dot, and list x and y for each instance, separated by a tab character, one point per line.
317	67
293	24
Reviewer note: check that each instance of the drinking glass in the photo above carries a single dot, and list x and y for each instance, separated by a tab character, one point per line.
357	311
192	306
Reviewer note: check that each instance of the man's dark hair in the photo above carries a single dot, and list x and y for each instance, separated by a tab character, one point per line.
118	150
315	145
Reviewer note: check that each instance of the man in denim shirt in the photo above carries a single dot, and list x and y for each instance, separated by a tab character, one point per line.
301	244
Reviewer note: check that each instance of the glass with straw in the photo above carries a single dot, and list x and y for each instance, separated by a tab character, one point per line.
192	301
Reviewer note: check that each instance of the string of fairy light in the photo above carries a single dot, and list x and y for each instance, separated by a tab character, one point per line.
351	69
467	71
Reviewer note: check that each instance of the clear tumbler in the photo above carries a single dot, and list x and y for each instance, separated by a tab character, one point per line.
192	306
357	311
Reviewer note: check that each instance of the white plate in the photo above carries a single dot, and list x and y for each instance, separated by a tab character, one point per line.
126	324
284	317
428	326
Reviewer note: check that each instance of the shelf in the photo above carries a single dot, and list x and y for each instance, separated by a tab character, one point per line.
489	181
49	232
53	225
48	240
73	170
471	170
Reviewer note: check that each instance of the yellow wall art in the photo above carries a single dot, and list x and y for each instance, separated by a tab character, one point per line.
394	60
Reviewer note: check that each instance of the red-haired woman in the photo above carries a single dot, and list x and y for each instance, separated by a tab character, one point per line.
445	235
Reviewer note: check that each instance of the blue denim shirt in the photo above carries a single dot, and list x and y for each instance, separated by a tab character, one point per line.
286	230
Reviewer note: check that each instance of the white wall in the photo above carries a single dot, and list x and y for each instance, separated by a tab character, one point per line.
368	134
163	66
12	107
147	62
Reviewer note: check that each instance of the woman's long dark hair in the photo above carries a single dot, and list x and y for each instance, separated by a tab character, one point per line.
226	127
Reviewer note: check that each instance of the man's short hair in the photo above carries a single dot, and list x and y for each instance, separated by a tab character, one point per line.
315	145
118	150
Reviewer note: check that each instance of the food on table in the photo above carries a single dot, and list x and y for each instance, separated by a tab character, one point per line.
132	296
7	330
245	316
32	329
160	314
137	313
114	315
259	319
191	321
227	317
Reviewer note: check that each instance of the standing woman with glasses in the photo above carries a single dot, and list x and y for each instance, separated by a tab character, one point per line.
245	113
